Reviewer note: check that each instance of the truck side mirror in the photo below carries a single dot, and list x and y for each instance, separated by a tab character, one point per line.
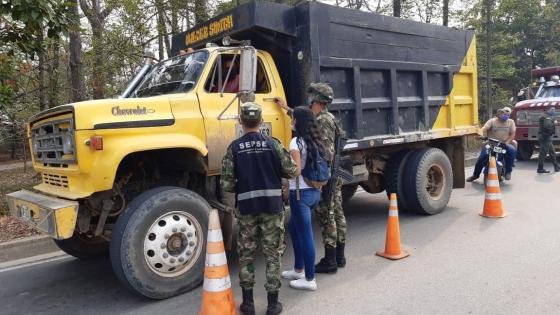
248	70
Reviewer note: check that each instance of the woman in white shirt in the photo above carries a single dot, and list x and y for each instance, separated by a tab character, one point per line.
304	148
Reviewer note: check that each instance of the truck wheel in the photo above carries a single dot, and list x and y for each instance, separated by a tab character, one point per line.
394	177
158	243
83	247
428	181
525	150
348	192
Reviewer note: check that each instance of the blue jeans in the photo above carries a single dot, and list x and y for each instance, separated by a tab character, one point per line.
483	160
301	230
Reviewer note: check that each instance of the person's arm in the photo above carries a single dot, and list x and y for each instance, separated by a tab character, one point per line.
512	129
289	167
282	103
227	178
296	155
541	125
487	126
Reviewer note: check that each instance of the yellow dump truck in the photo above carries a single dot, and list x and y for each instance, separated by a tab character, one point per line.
135	177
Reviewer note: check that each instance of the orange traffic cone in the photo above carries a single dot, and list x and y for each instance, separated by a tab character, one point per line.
217	297
493	198
393	240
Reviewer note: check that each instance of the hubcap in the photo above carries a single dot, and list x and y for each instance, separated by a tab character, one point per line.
435	182
173	244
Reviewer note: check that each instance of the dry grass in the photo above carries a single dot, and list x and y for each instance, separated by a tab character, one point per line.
13	180
10	181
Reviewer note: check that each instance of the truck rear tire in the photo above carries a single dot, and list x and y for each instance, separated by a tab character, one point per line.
394	173
525	150
158	243
348	192
84	247
428	181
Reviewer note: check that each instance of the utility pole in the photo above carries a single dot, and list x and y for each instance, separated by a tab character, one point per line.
488	58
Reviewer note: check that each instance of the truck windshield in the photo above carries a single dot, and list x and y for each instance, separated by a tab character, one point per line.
549	91
178	74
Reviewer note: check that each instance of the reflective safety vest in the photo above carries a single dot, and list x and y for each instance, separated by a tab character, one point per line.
258	172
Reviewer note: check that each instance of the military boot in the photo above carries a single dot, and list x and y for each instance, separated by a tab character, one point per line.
247	307
328	263
340	259
274	307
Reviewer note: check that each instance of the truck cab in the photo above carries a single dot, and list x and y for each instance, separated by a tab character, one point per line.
527	112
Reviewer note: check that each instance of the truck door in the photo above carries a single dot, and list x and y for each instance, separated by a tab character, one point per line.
222	127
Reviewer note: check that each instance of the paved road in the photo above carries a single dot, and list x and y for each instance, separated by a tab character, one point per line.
460	264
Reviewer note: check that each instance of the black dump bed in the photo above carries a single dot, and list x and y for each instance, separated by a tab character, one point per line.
390	76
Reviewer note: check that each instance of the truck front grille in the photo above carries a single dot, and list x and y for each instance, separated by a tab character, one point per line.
53	143
55	180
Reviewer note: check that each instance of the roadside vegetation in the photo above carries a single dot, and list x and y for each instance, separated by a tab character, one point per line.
10	181
13	180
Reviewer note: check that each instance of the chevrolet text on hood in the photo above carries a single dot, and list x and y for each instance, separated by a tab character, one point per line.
118	111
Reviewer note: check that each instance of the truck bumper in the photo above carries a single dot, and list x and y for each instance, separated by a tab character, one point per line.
53	216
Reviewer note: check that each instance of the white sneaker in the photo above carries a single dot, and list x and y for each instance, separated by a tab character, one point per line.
304	284
292	275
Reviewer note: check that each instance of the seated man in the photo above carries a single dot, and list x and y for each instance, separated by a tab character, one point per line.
503	129
232	84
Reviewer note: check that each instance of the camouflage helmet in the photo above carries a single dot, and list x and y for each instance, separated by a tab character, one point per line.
321	92
251	112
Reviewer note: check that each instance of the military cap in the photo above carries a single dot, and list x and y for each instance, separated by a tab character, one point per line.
321	92
251	112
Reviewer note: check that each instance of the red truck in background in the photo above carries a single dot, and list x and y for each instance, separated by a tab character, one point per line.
528	111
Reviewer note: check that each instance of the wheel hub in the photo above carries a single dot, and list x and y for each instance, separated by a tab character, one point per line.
173	243
435	181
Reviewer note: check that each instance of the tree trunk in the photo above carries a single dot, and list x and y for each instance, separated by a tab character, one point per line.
98	82
75	47
14	140
174	17
445	12
53	74
397	8
41	78
200	11
160	28
97	17
488	58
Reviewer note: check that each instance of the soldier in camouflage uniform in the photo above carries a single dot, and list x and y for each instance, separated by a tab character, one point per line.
547	129
330	216
252	169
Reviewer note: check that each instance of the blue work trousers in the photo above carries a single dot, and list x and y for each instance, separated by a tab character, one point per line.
483	160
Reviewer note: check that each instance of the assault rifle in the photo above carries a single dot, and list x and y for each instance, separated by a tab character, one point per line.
336	169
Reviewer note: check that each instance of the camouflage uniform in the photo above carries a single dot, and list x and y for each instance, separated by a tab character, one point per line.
547	129
331	216
265	229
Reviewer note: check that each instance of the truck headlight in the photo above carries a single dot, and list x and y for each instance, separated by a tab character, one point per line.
67	147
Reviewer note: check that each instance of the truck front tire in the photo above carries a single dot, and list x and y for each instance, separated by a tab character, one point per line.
158	243
348	192
84	247
427	181
525	150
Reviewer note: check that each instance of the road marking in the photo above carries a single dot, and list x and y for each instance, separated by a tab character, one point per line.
33	261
